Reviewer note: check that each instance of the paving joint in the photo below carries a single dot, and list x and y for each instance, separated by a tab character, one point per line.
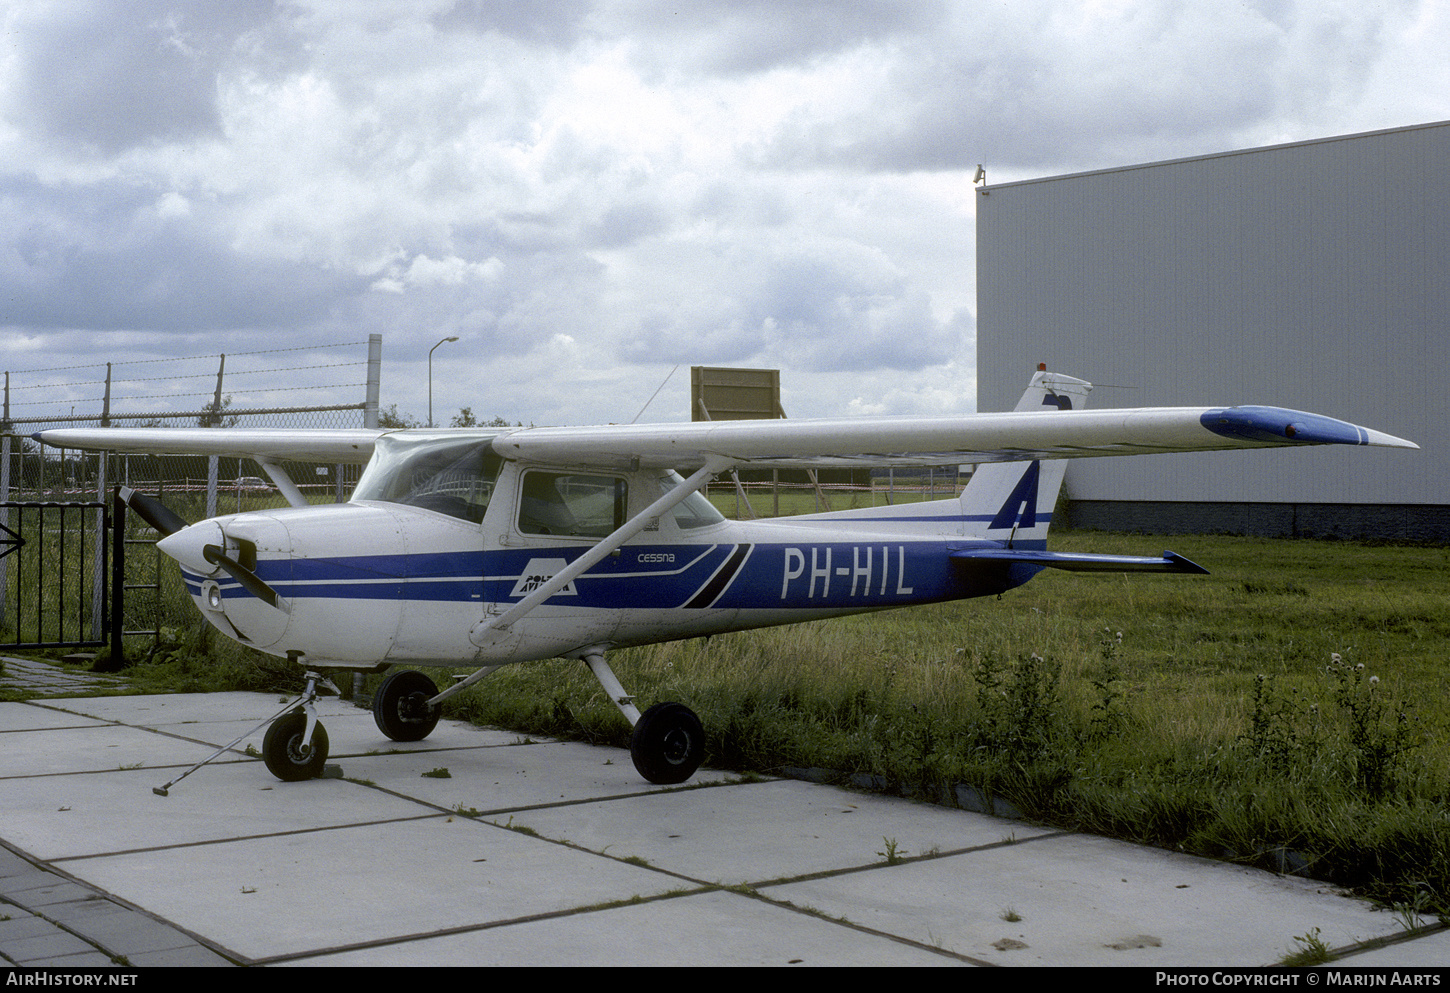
68	923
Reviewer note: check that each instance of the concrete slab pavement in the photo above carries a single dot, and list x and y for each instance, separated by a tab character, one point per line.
479	847
45	679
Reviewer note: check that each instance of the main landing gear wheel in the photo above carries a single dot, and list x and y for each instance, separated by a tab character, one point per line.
668	744
286	757
400	706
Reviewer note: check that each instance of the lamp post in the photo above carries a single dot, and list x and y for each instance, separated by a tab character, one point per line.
430	378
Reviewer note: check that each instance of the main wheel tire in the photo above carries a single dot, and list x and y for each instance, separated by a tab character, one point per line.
400	706
668	744
283	752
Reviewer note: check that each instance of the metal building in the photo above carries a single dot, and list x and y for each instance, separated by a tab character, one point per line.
1313	275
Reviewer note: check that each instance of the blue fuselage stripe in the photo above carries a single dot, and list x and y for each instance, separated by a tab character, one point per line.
787	575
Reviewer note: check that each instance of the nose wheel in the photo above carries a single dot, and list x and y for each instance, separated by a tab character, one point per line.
295	745
288	752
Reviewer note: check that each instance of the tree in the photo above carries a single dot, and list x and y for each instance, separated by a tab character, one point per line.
213	414
390	418
465	419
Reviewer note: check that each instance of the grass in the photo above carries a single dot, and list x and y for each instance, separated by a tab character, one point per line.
1285	711
1312	950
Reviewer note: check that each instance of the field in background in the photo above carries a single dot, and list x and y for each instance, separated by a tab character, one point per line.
788	499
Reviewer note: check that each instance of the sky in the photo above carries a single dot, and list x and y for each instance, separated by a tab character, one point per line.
595	195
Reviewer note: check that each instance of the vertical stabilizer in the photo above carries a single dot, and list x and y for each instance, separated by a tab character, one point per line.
1012	502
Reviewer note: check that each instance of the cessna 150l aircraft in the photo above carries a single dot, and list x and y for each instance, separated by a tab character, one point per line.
485	547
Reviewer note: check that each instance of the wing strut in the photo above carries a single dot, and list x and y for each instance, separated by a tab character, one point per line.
284	483
574	569
481	633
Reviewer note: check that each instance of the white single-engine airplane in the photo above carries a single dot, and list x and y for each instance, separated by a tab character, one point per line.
484	547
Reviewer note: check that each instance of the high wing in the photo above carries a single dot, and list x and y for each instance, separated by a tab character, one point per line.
967	438
1003	437
330	445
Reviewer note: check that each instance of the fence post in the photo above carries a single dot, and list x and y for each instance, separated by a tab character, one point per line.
4	511
213	420
118	581
98	569
375	377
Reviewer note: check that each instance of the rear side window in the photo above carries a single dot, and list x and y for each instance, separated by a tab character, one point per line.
571	504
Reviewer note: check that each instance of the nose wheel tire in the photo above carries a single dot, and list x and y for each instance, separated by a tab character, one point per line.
668	744
400	706
285	755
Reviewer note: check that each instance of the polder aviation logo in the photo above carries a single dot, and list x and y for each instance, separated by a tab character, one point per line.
537	573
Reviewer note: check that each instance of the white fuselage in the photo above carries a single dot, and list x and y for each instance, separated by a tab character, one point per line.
376	582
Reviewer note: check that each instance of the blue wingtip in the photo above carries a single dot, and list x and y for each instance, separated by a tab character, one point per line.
1280	425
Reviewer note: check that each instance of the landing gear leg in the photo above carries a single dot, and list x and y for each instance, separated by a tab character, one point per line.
295	746
669	741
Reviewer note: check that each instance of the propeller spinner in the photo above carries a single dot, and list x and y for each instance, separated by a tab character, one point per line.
169	523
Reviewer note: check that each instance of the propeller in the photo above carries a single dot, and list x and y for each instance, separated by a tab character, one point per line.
153	511
168	522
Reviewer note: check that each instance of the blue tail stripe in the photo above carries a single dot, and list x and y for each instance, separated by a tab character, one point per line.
1025	492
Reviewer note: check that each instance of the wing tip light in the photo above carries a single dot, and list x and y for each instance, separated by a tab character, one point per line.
1279	426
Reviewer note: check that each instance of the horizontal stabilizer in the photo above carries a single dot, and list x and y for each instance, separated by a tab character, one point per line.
1082	561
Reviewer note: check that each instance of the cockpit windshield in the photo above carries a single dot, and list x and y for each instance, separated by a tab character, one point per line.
447	475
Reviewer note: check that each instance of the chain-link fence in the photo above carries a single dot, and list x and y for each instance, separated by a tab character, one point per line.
249	389
328	386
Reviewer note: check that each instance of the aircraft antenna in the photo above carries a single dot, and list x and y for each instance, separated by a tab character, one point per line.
654	394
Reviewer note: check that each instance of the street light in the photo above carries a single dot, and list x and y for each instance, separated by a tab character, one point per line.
430	379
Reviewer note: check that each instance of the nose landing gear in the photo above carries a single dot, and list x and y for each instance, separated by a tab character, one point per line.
295	746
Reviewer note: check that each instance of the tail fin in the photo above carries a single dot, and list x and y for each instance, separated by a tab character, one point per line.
1012	502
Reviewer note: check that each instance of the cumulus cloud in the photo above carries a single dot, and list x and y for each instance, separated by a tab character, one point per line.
112	256
109	77
589	193
814	304
754	36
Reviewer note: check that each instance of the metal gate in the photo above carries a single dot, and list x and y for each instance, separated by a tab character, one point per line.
56	562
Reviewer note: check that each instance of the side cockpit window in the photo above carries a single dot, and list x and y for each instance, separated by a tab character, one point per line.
695	511
449	477
571	504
